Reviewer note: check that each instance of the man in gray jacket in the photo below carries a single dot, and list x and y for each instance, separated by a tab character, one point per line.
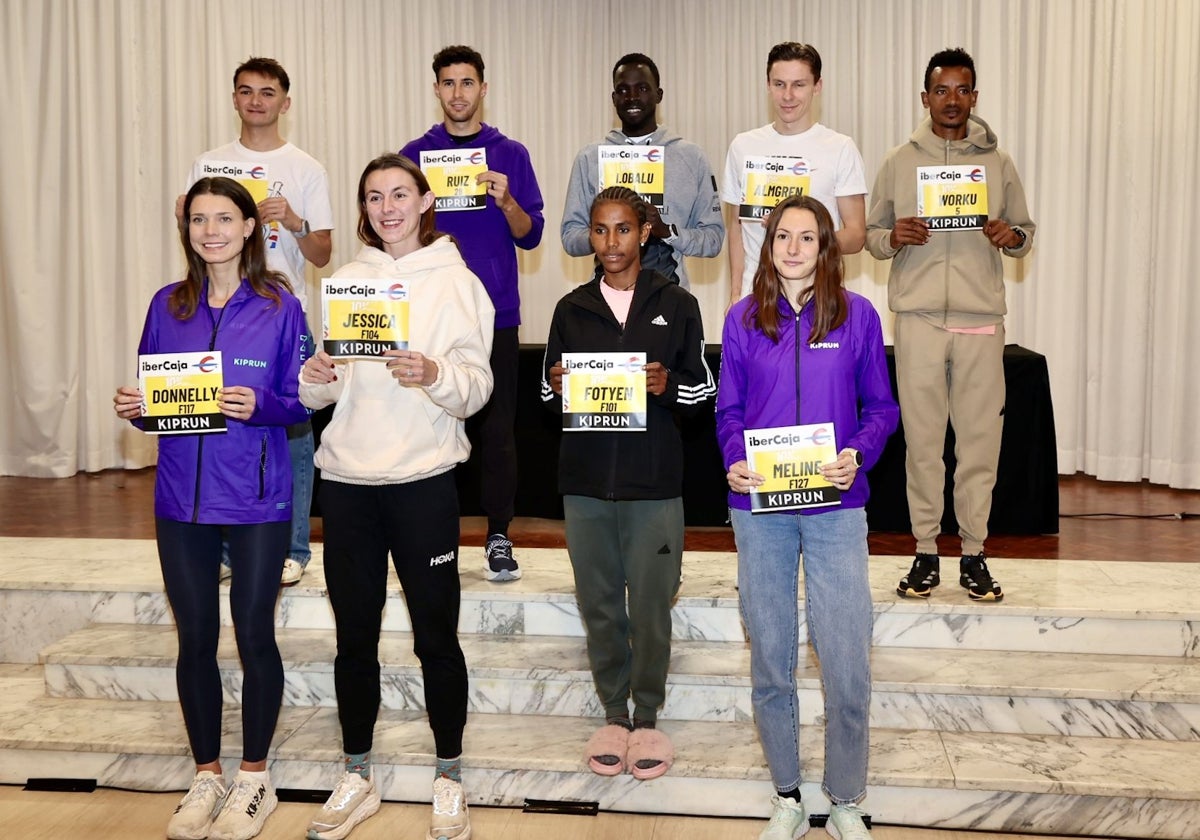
671	173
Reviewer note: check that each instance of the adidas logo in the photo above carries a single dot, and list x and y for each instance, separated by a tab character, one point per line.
659	321
448	557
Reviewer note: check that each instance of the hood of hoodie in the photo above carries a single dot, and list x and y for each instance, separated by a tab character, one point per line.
662	136
980	138
439	254
440	137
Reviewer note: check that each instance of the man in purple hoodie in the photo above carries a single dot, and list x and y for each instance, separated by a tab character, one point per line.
488	199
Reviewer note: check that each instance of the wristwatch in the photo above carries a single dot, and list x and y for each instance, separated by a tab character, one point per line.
673	235
1022	235
304	230
858	459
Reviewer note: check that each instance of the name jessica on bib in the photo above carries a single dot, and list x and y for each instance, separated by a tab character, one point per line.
363	318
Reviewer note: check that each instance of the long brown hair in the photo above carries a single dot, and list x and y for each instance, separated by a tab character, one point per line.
426	232
826	292
252	262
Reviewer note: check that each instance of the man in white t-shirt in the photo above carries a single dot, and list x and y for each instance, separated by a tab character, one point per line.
292	191
792	154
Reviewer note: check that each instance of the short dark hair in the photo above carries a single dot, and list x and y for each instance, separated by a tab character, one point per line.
637	58
268	67
955	57
621	195
794	51
457	54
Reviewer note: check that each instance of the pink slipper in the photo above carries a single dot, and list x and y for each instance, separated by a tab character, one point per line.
609	741
649	745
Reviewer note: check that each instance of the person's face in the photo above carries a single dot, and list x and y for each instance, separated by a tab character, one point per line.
394	206
461	93
217	229
259	100
950	98
795	245
636	98
617	238
792	88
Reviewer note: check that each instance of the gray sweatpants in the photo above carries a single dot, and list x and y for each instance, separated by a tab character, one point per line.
614	546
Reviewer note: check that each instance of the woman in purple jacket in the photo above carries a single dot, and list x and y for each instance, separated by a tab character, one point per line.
234	486
801	350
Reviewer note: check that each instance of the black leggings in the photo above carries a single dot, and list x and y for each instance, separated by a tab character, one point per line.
418	523
190	555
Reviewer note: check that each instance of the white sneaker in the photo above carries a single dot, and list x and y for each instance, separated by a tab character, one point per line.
292	572
788	820
846	823
352	801
194	815
451	819
251	800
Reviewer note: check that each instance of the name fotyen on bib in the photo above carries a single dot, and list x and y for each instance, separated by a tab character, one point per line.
952	197
179	392
363	318
452	177
769	180
604	392
641	168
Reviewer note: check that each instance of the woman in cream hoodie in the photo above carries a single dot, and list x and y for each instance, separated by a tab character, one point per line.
387	459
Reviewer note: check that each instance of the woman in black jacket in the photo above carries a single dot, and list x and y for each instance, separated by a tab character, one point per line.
623	490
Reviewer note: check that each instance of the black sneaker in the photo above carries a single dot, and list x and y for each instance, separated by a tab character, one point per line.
499	564
975	578
921	578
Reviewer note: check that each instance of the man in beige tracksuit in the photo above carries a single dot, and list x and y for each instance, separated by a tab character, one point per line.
944	205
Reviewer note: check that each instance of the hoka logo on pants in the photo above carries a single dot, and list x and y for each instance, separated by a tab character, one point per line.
448	557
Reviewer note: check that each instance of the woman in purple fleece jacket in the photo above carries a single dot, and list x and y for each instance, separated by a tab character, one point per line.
801	350
233	486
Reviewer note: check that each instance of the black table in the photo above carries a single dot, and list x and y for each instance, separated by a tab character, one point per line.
1025	500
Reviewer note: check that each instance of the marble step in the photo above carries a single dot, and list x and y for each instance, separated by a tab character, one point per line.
974	691
1044	783
50	587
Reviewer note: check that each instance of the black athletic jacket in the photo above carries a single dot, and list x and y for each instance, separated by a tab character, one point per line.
664	323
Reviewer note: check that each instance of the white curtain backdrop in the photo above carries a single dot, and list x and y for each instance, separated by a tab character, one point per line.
105	103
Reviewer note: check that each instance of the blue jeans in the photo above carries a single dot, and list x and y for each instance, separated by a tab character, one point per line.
837	600
300	449
300	452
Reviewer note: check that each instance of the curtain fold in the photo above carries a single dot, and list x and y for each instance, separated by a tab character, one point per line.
107	102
